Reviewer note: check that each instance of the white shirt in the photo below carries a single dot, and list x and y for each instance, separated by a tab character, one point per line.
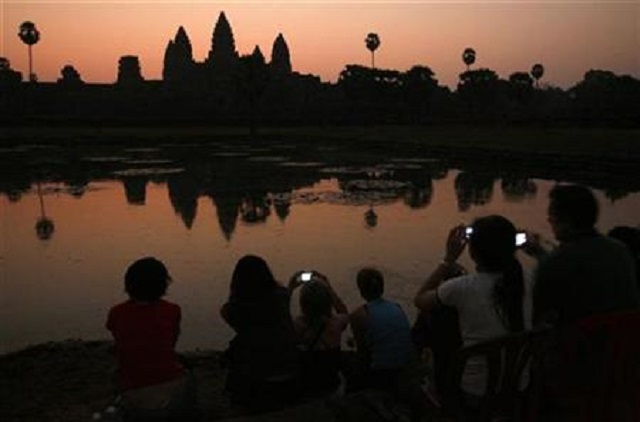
471	296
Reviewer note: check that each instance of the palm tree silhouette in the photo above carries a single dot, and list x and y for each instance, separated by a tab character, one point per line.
372	42
537	71
29	35
44	225
469	56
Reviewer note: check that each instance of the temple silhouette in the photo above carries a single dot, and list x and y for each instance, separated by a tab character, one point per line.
230	88
219	68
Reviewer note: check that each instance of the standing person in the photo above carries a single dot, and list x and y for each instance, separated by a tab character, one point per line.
263	370
588	273
491	302
382	334
145	329
319	332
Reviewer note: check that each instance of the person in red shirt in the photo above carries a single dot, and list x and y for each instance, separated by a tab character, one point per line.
145	330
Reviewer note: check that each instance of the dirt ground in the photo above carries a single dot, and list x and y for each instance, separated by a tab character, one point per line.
70	381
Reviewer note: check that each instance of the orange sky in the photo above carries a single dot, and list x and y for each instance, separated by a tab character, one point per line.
568	37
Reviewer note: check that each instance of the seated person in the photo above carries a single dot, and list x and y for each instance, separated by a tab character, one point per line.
490	303
319	333
145	330
263	371
630	236
382	334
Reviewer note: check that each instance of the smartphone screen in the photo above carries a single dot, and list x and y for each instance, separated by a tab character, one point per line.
306	276
521	238
468	231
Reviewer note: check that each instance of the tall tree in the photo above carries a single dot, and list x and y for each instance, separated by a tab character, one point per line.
29	35
537	71
372	42
419	86
469	56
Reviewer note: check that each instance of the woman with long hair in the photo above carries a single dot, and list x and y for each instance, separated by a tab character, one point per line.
493	301
263	367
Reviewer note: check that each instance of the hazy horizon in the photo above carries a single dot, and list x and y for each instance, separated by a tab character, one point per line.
567	37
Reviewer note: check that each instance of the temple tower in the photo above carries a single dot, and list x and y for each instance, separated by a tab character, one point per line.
223	54
257	55
178	58
129	73
280	59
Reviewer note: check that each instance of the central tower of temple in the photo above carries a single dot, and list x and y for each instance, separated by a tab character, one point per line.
223	55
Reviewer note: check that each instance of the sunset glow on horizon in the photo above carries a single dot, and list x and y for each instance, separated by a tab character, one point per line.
567	37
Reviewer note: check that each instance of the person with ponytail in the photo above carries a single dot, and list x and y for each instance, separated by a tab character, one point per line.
493	301
324	317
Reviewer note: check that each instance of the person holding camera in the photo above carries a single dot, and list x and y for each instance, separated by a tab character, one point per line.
491	302
319	328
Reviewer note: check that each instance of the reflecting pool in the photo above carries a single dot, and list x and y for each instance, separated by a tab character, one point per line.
73	220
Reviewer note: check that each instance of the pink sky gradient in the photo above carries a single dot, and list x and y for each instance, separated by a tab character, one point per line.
567	37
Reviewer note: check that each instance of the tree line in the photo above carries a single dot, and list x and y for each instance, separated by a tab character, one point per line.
362	95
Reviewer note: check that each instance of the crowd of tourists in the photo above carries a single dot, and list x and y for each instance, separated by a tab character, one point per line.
276	359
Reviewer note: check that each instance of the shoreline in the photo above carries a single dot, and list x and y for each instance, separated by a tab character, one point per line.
70	380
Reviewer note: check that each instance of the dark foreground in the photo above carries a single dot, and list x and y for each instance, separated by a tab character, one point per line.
69	381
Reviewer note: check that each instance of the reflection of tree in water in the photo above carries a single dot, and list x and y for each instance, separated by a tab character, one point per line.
255	209
282	205
76	177
371	218
420	193
183	194
44	225
517	188
135	189
473	189
613	194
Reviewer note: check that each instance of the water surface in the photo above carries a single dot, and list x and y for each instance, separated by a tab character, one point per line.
72	220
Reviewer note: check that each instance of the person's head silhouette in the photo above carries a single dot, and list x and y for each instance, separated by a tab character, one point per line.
146	280
573	209
370	283
251	278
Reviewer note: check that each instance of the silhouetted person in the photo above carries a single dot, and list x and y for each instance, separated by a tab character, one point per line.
630	236
145	329
588	273
491	302
319	328
382	334
263	369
